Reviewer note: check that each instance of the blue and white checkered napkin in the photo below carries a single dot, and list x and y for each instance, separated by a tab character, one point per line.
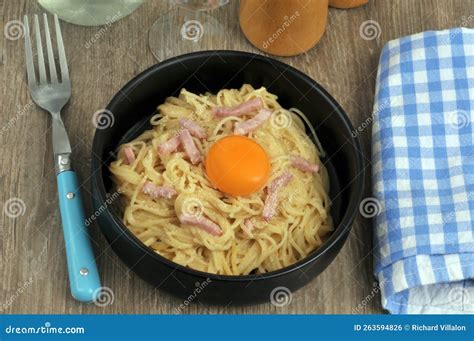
423	173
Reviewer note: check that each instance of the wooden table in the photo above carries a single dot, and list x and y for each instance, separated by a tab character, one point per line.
32	260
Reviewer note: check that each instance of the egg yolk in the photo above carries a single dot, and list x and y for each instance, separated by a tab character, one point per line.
237	165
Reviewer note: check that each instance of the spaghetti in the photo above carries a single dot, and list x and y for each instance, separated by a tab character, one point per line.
171	205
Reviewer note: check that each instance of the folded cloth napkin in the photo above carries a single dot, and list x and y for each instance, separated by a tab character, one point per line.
423	173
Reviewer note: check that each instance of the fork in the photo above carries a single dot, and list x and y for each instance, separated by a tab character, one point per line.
51	95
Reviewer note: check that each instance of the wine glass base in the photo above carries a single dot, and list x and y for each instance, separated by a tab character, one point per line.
182	31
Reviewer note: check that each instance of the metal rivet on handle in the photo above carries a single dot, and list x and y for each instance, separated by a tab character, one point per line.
70	195
84	271
64	161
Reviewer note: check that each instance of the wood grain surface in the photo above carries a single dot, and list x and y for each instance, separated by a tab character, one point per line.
33	276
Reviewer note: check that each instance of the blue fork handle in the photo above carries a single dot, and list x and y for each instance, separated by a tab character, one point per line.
83	274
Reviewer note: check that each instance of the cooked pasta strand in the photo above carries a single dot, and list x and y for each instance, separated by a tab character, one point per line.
301	220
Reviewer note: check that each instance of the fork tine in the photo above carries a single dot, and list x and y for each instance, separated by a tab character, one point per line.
61	52
52	64
30	67
39	51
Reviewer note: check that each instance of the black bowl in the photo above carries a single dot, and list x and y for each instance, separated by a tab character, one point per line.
211	71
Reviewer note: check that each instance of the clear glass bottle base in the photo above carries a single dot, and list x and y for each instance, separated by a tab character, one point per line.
90	13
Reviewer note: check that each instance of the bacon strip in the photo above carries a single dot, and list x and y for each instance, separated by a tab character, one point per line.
129	155
169	146
239	110
189	147
245	127
194	128
156	191
271	201
201	222
303	164
248	226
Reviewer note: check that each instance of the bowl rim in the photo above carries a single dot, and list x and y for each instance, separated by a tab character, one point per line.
339	232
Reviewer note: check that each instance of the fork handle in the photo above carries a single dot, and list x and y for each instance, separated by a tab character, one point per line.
83	274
